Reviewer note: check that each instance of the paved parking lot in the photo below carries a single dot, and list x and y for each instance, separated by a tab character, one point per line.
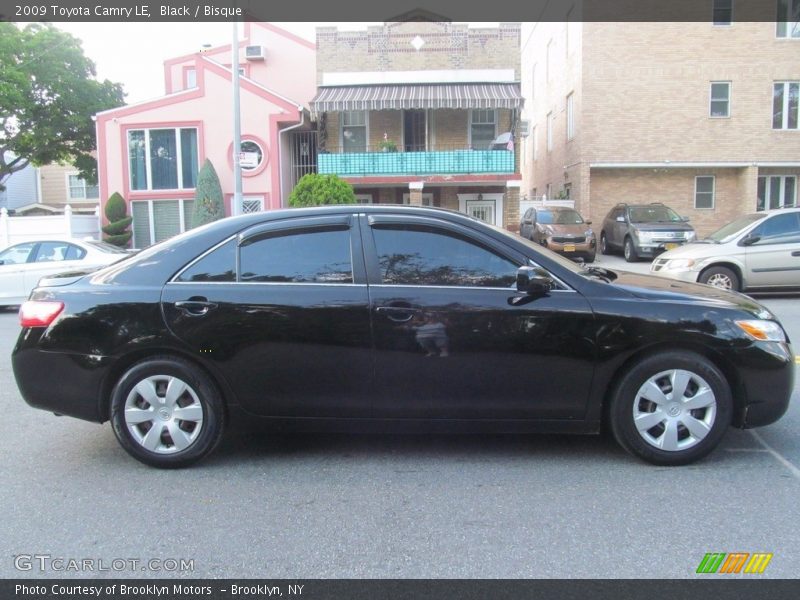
269	505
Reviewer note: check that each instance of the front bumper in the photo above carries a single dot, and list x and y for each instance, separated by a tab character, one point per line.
766	371
655	247
585	248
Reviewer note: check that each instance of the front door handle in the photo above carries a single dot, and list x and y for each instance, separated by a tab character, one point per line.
398	314
195	307
796	253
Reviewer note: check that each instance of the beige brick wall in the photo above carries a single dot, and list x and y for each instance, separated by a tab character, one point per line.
388	47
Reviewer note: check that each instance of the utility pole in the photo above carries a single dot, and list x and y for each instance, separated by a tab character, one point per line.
237	124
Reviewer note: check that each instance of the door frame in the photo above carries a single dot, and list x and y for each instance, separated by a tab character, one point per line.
498	203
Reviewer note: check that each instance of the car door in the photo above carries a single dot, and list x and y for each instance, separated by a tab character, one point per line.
619	228
454	339
773	260
282	311
14	262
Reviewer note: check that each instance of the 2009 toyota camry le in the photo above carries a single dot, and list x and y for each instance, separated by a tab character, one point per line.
352	317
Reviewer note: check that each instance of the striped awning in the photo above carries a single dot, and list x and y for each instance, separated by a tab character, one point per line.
397	97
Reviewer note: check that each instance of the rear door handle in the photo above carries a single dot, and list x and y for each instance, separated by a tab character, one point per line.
398	314
195	307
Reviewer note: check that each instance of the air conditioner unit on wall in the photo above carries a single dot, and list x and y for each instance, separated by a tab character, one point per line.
255	52
524	128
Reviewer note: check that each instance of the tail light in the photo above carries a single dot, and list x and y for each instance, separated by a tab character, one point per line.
37	313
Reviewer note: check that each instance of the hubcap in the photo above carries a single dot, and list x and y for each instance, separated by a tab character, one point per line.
721	281
163	414
674	410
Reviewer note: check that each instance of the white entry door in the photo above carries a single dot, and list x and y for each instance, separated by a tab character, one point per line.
484	207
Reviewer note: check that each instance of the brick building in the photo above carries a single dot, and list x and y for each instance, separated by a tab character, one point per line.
423	113
702	116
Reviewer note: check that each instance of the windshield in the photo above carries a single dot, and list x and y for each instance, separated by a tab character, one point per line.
727	232
568	217
654	214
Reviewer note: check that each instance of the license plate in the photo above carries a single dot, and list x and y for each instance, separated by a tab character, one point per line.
671	246
569	247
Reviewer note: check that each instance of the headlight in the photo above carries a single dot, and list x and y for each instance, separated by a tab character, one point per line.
644	235
679	263
690	236
762	331
589	233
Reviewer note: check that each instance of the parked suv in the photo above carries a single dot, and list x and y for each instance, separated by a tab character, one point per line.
562	230
643	230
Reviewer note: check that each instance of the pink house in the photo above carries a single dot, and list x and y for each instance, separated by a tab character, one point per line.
150	152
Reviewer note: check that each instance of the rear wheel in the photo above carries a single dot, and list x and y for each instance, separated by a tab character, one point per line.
721	277
166	412
671	408
630	251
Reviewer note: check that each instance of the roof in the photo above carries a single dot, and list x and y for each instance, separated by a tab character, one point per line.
397	97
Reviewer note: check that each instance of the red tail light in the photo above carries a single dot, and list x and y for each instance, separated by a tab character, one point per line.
34	313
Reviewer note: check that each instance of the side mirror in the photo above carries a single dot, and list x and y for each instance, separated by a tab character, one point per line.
620	219
534	281
750	240
588	222
685	219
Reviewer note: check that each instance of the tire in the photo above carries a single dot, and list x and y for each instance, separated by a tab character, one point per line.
590	257
180	442
721	277
604	249
669	441
630	251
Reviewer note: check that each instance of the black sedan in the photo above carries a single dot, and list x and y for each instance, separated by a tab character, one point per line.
357	317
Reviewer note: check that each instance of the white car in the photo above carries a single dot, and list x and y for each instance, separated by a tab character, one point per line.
759	251
22	265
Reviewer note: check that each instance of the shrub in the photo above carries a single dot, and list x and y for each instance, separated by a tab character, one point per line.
208	203
118	221
314	189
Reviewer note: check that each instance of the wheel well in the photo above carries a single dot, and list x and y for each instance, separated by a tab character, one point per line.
733	267
719	361
125	363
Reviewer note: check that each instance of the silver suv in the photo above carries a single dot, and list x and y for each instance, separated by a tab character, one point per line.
644	230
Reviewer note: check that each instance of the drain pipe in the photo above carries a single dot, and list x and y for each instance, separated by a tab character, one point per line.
280	148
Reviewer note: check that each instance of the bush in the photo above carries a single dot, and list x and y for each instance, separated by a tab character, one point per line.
118	221
314	189
208	203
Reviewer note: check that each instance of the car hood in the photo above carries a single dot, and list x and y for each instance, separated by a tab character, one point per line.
651	287
671	226
700	250
572	229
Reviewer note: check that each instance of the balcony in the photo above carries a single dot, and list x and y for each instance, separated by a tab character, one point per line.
441	161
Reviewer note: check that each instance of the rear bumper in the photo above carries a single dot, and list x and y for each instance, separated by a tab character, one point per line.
64	383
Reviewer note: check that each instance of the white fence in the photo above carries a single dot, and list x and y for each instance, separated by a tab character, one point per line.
14	230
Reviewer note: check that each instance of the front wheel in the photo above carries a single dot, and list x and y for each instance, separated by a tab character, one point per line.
604	249
630	251
671	408
720	277
166	412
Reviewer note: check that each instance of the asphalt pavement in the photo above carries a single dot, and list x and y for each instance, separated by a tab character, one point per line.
377	506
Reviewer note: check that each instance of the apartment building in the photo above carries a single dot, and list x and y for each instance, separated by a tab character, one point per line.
702	116
423	113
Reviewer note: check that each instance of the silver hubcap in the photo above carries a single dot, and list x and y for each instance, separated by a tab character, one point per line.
674	410
163	414
721	281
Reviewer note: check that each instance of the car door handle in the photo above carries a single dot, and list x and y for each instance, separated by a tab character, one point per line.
195	307
796	253
398	314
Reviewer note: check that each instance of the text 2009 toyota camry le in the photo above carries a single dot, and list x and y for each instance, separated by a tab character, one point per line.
358	316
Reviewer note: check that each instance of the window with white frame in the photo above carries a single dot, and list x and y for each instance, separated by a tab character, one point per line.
722	12
191	78
157	220
549	131
720	99
354	131
78	189
785	101
788	21
162	159
482	128
776	191
704	192
570	117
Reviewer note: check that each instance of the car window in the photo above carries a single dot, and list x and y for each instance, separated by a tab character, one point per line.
17	254
780	229
297	256
217	265
58	251
422	255
545	217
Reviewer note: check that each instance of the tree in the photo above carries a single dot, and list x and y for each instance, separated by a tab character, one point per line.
118	221
314	189
48	96
208	204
